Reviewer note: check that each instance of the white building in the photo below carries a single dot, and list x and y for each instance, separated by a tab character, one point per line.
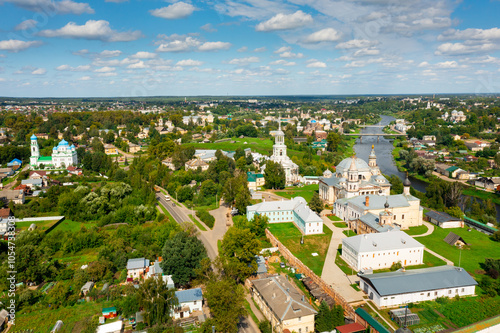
189	301
63	155
382	250
280	156
417	285
136	268
295	210
354	177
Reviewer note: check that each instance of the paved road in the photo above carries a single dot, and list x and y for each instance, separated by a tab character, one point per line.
247	325
332	274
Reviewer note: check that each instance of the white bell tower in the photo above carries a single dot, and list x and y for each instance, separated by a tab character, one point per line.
35	153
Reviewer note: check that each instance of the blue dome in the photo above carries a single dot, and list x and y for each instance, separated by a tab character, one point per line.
72	146
63	143
55	148
33	137
313	121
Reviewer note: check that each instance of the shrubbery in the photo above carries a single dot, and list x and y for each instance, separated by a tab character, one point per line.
206	218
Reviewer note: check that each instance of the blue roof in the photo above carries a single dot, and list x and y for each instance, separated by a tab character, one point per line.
189	295
16	160
63	143
33	137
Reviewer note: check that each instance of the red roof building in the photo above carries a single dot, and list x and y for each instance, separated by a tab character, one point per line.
351	328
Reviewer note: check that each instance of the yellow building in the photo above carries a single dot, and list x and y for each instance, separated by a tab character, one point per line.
110	150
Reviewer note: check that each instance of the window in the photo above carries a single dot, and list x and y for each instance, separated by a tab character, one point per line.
428	294
307	329
435	293
300	330
194	303
300	318
449	291
463	289
403	216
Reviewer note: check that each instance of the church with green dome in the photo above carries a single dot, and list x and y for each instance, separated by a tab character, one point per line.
63	155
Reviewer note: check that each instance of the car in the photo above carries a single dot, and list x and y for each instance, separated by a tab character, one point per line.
282	264
167	198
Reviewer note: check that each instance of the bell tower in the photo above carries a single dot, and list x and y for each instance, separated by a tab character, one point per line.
35	152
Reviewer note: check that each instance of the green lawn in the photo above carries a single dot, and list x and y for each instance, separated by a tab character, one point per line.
70	225
290	236
79	258
166	213
349	233
340	225
44	320
198	224
334	218
342	264
40	225
480	247
260	145
419	230
305	192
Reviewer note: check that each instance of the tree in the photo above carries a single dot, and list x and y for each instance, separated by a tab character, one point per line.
238	250
454	211
323	322
332	141
182	255
226	300
157	300
316	204
275	175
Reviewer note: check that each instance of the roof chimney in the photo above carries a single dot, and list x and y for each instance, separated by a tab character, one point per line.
367	201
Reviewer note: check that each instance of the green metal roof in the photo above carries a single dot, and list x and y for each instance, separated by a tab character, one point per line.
108	310
452	168
45	158
371	321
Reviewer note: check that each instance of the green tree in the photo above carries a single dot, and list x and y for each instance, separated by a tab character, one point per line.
226	300
238	250
274	175
323	321
454	211
316	204
156	300
182	256
332	141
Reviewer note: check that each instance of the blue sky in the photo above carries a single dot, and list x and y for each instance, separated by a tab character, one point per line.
255	47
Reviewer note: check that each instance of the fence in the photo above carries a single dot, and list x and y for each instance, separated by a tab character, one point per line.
348	309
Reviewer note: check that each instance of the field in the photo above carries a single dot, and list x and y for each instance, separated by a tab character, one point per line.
421	229
40	225
305	192
290	236
43	320
70	225
480	247
335	218
260	145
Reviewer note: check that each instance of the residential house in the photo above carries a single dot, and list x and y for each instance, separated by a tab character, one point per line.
42	136
190	300
255	180
74	170
38	174
133	148
87	287
456	137
15	196
6	172
417	285
110	149
382	250
488	183
168	163
156	271
473	146
196	163
109	313
32	183
429	138
15	164
283	305
136	268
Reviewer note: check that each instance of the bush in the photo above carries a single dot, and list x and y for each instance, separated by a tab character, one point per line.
396	266
206	218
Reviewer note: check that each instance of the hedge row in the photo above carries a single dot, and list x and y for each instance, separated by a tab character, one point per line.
206	218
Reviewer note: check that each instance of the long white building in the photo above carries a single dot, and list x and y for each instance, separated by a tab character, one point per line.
417	285
381	250
295	210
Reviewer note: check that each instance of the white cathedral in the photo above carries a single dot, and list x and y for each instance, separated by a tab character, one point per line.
280	156
63	155
354	177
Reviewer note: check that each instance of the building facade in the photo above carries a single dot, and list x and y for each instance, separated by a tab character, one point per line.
354	177
63	155
295	210
381	250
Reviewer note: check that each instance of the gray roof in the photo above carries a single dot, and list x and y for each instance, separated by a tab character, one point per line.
452	238
419	280
360	165
391	240
282	298
441	216
261	265
36	182
189	295
378	201
297	204
137	263
87	286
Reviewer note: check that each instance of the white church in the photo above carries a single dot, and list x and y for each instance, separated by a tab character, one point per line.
280	156
63	155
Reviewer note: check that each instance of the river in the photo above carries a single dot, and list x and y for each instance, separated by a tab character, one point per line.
383	150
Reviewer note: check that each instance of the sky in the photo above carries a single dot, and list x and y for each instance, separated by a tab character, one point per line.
122	48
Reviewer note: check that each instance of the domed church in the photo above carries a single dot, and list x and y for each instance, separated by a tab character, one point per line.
354	177
63	155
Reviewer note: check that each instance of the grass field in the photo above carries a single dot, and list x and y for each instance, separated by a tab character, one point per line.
70	225
349	233
44	320
40	225
305	192
480	247
421	229
260	145
341	263
340	225
166	213
79	258
334	218
290	236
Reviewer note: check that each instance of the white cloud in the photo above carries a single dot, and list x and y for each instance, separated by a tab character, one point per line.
325	35
179	45
14	45
462	48
260	49
92	30
208	28
285	21
144	55
423	64
366	52
214	46
242	49
105	69
244	61
316	64
174	11
49	6
39	71
24	25
107	74
110	53
81	68
363	63
355	44
470	34
189	62
282	62
283	49
447	64
137	65
85	78
345	76
289	54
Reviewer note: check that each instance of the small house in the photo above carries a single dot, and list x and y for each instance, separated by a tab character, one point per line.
87	287
196	163
110	149
189	301
15	164
133	148
32	183
443	220
454	240
136	268
109	312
